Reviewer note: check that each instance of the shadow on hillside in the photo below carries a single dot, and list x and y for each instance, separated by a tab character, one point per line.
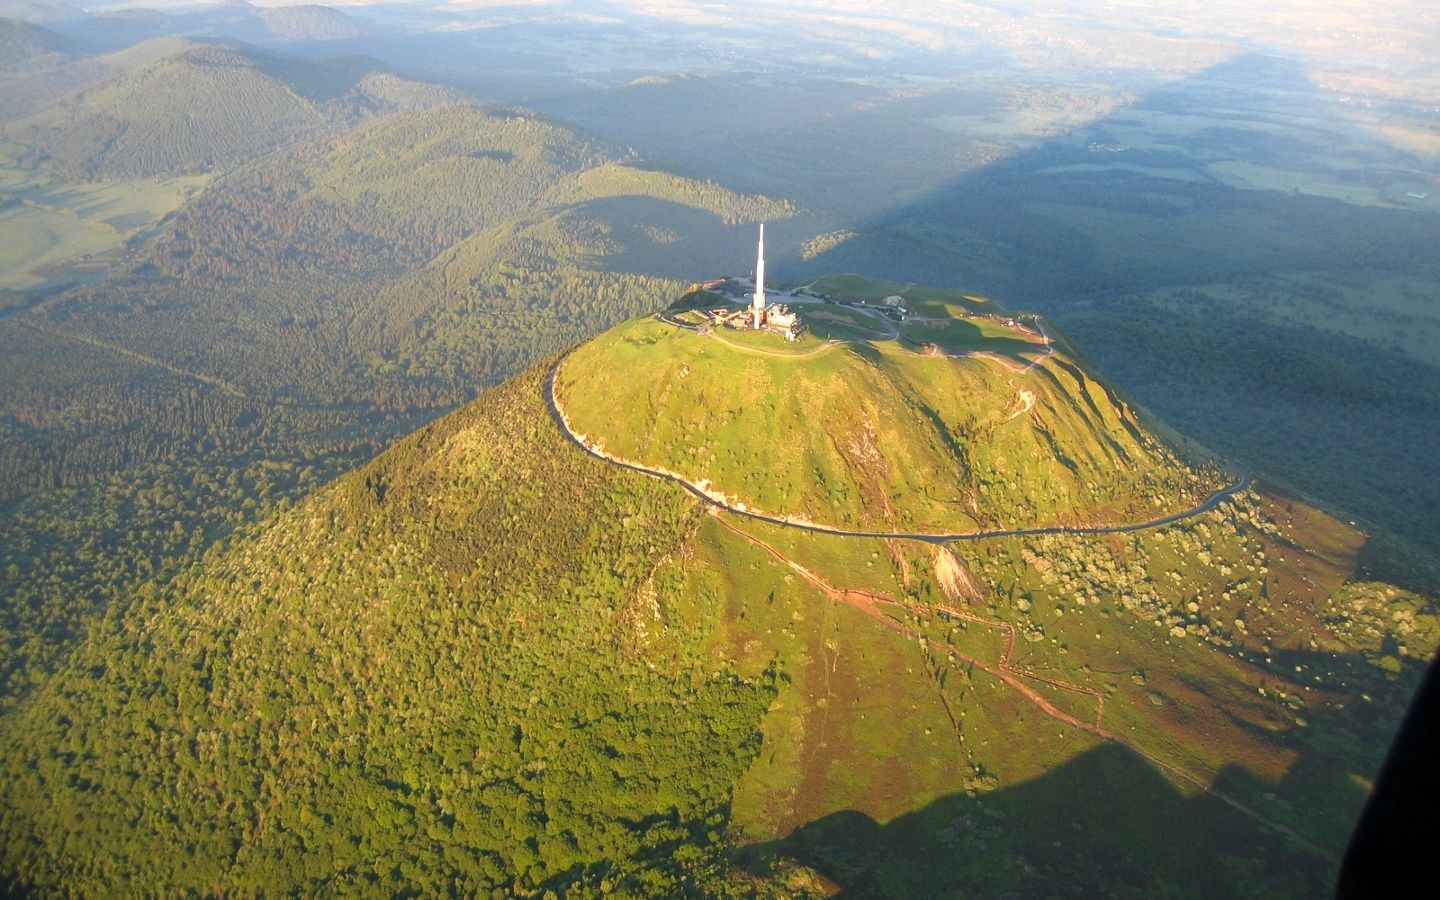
667	238
1103	824
957	336
1108	823
1118	246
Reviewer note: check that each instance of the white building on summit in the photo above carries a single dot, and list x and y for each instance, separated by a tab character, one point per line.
761	315
770	316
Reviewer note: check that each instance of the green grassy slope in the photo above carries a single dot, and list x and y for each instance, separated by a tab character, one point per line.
873	435
487	661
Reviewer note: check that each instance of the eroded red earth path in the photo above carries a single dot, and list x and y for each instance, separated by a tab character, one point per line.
873	605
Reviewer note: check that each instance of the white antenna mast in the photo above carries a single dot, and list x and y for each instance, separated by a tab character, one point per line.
757	306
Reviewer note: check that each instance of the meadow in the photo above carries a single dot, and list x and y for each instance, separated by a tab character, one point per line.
54	233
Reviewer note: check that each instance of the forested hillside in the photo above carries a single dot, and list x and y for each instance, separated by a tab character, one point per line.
199	107
306	22
448	705
24	45
304	310
357	243
489	662
40	82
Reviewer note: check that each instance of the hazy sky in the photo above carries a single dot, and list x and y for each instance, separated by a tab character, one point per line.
1398	38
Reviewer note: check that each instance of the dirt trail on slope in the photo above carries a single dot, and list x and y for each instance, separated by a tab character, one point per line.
872	604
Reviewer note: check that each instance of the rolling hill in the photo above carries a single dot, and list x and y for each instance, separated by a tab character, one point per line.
118	26
48	80
197	107
489	661
23	46
38	10
305	22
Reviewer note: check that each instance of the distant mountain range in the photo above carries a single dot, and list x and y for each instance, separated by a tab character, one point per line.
232	19
24	46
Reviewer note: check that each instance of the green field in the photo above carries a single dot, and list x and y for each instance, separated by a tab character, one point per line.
36	240
57	231
974	335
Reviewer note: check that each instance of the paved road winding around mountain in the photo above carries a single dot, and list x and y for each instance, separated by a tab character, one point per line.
868	602
1210	503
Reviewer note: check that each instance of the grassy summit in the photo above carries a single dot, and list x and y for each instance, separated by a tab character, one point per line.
956	420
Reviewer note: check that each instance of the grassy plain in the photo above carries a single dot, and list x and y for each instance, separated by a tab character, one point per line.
52	231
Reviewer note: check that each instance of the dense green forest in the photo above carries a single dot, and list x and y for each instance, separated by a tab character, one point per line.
457	702
302	312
